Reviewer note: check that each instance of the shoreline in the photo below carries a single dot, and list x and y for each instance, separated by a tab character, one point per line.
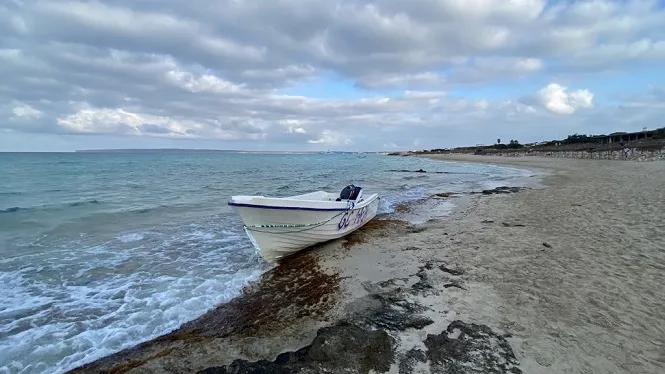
465	291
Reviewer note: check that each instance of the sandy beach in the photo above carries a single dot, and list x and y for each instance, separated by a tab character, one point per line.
563	274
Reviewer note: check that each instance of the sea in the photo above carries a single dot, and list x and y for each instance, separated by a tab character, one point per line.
101	251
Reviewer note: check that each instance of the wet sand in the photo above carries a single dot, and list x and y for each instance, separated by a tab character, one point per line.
562	279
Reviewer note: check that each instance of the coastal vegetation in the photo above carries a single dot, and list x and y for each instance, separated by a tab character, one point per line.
512	144
573	142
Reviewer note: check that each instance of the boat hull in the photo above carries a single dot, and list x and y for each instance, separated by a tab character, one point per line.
277	231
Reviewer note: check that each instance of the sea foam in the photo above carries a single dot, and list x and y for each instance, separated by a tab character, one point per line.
93	308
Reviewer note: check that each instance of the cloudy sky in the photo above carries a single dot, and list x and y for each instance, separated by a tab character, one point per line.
323	74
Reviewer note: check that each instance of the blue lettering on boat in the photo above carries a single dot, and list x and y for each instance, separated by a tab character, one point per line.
354	217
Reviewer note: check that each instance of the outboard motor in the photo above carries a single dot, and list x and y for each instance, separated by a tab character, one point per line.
351	192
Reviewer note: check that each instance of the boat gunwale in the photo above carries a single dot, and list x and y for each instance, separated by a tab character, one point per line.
244	205
357	205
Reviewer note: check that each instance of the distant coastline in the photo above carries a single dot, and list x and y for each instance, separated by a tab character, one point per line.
193	150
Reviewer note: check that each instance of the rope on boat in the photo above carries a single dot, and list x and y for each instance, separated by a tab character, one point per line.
307	226
304	226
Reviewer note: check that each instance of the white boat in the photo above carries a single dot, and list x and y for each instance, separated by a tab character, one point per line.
281	226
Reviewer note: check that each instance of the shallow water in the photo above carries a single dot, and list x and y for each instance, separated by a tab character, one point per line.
101	251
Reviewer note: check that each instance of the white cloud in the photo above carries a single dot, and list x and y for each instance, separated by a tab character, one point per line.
293	126
332	138
203	83
23	111
121	122
529	64
557	100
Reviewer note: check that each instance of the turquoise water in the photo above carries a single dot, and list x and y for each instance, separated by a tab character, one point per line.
101	251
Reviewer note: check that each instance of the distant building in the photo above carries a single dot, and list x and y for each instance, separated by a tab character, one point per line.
620	137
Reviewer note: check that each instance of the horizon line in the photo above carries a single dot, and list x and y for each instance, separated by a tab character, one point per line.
100	150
